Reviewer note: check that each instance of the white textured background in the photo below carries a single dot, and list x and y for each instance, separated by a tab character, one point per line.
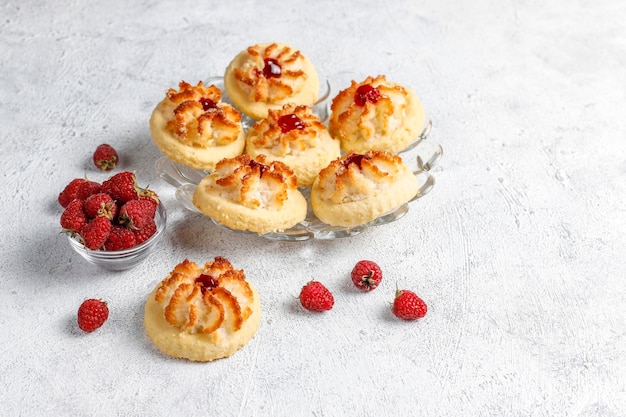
519	249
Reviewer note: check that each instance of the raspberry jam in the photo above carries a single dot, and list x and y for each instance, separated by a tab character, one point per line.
262	167
272	68
366	93
353	158
207	282
207	104
290	122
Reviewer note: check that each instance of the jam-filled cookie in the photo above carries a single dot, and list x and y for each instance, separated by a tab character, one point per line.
295	136
376	114
251	194
358	188
194	127
269	75
202	312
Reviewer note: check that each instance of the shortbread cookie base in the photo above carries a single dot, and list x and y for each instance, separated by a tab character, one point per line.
307	164
193	156
197	347
356	213
239	217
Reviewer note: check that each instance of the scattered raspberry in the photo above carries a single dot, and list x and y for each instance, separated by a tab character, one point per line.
366	275
100	204
122	187
135	214
120	238
105	157
92	314
315	296
408	306
96	232
86	189
69	192
146	232
73	218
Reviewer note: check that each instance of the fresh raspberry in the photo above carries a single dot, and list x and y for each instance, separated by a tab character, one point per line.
408	306
100	204
120	238
87	189
366	275
146	232
315	296
69	192
92	314
96	232
105	157
136	213
153	201
148	194
73	218
122	187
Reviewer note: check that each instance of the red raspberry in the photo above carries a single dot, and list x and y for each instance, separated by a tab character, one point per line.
73	218
136	213
105	157
96	232
366	275
120	238
100	204
86	189
69	192
145	233
122	187
92	314
150	195
315	296
408	306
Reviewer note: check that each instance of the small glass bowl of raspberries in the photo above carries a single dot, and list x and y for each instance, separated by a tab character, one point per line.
115	224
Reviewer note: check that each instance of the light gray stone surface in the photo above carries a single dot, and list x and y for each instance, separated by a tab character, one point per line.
518	251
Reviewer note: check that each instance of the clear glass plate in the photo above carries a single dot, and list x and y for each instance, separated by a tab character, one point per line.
421	155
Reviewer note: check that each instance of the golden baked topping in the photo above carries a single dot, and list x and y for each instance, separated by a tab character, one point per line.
254	183
355	177
197	116
271	73
371	108
290	130
205	299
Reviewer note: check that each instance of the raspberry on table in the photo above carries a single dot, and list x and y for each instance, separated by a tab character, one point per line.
314	296
92	314
366	275
105	157
408	306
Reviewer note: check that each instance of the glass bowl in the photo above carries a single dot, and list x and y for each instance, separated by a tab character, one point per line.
123	259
